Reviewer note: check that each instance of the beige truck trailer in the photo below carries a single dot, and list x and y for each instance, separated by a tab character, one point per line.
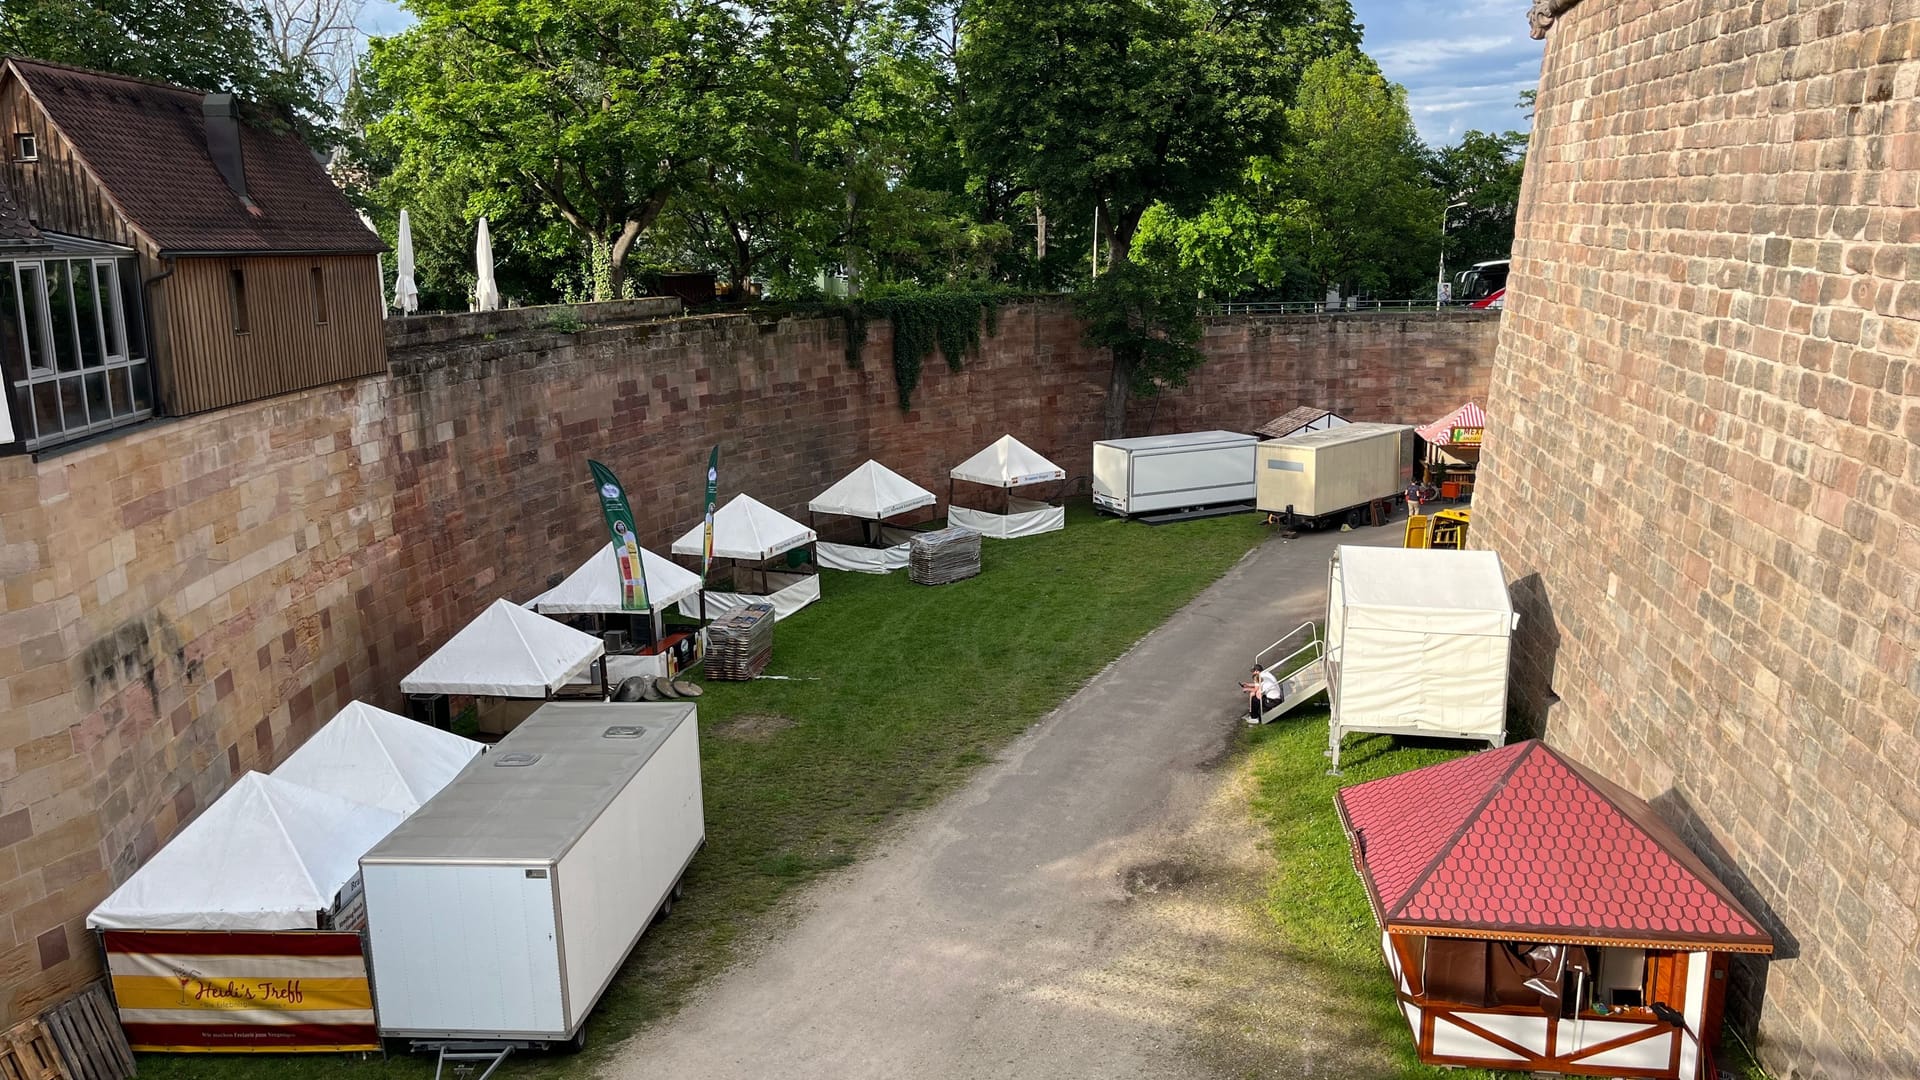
1317	478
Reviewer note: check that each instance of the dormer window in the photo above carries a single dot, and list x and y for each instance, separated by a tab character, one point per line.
25	147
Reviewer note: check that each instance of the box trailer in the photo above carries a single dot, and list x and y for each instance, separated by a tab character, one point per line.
500	910
1191	471
1319	477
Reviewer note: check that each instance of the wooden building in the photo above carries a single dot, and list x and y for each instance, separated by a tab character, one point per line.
168	252
1536	917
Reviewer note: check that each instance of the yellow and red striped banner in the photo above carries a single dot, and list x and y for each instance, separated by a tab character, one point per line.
242	990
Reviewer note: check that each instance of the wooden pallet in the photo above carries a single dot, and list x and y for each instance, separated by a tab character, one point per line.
87	1032
27	1053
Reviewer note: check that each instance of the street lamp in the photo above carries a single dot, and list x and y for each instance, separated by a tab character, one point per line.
1441	294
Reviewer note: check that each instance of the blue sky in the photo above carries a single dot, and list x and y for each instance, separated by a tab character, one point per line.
1463	63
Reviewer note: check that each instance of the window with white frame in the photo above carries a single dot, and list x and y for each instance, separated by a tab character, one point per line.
72	346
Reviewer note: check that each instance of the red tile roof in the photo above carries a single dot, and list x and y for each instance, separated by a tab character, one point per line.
1440	431
1522	841
147	145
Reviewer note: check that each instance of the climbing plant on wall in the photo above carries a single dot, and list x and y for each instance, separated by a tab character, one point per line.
924	320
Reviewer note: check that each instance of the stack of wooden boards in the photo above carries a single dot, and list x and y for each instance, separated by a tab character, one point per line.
944	556
740	643
79	1039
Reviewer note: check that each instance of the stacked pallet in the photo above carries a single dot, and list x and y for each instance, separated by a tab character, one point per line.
740	643
944	556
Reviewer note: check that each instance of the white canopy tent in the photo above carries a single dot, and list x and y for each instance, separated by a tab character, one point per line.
378	758
595	587
873	493
1417	644
507	652
1008	464
267	855
748	530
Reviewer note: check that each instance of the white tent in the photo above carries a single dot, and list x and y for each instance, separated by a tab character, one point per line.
507	652
267	855
1417	644
751	531
595	586
871	492
1008	464
378	758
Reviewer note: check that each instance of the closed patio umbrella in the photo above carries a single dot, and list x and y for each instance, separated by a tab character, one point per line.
406	296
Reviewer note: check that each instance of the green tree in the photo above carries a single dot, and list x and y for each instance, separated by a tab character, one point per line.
1483	171
595	112
208	45
1148	317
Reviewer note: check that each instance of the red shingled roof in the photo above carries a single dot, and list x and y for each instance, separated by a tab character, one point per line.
147	145
1521	842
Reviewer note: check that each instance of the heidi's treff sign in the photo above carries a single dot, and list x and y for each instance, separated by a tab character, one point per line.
241	991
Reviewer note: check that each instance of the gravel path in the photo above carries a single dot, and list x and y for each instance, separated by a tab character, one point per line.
1086	907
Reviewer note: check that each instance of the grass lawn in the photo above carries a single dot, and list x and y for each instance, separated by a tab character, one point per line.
895	693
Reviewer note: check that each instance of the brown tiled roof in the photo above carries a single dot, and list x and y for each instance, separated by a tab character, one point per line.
1282	426
14	226
147	144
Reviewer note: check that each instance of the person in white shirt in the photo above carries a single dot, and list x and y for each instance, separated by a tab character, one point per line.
1262	693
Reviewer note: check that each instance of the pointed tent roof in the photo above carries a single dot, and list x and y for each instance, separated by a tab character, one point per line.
1007	463
595	586
872	491
749	529
1440	432
1524	844
378	758
267	855
507	652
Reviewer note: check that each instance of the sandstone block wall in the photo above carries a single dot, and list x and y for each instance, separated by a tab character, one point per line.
192	599
1704	472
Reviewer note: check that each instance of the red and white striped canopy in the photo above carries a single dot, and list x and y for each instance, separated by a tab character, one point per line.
1440	432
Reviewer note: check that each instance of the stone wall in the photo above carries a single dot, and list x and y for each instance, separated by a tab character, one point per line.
1705	472
190	599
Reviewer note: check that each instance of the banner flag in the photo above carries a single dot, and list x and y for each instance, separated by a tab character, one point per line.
713	496
626	545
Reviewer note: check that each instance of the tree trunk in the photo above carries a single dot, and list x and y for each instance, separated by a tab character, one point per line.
617	260
1119	385
1120	236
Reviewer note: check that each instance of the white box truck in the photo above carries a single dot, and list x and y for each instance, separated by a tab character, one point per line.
1162	473
1318	478
500	910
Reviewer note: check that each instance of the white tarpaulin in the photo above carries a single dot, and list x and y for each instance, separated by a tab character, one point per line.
868	560
378	758
1007	463
872	491
595	586
1028	518
790	593
746	529
267	855
1417	643
507	652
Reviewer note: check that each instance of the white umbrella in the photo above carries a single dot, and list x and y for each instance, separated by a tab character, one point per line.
486	293
379	263
406	296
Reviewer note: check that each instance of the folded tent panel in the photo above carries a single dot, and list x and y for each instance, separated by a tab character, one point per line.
267	855
378	758
595	586
507	651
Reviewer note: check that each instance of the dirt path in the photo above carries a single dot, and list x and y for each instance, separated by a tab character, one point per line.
1086	907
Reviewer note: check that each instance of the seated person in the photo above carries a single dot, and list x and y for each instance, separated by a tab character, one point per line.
1263	692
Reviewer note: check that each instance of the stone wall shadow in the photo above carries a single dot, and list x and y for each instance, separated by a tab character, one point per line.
1536	650
1747	974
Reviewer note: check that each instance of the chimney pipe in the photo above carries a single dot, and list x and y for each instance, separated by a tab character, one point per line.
222	114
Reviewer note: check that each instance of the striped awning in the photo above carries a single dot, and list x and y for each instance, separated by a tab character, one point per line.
1443	432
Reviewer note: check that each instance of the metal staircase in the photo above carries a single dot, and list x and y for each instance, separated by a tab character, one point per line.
1305	670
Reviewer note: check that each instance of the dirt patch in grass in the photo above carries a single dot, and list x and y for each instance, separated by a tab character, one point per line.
753	726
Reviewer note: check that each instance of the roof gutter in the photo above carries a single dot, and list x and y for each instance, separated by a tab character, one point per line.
236	253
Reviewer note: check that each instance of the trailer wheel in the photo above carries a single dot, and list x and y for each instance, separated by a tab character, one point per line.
679	887
666	909
577	1043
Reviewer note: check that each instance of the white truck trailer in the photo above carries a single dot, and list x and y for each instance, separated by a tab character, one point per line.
1175	475
500	910
1319	478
